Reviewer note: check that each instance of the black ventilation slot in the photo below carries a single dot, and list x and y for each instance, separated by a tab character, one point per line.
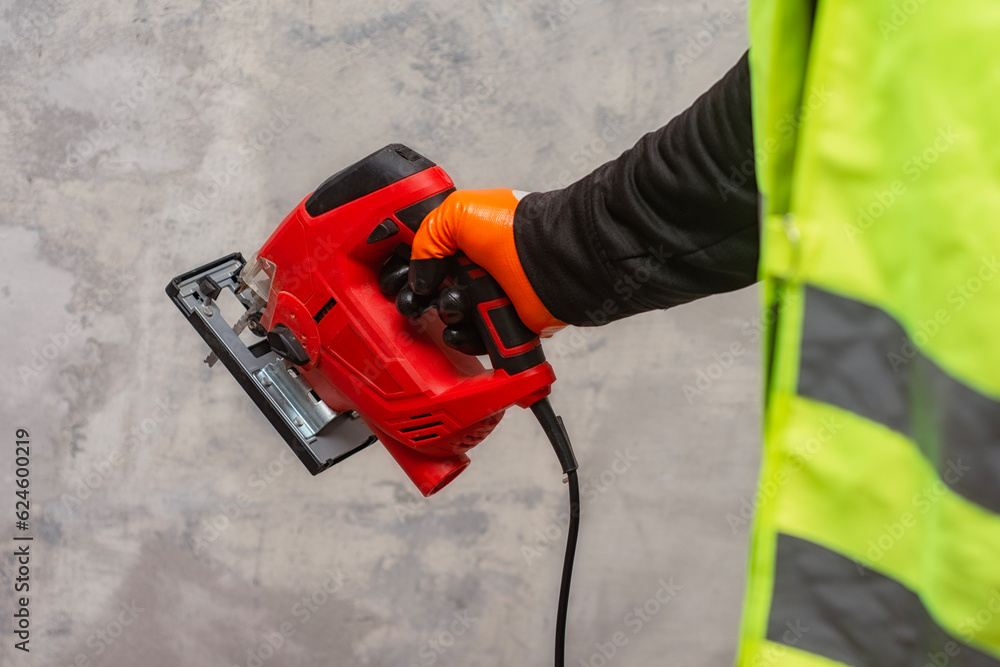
427	414
418	438
419	427
324	310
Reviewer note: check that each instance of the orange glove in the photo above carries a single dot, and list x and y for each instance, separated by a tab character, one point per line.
480	223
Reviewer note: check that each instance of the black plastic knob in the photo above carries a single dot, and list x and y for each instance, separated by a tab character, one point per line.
286	345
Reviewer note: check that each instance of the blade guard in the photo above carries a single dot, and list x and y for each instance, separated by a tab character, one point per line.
428	404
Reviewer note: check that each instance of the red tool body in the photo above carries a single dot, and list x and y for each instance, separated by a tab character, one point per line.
427	403
331	350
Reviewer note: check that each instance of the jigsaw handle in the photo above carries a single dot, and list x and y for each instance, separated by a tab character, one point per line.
511	345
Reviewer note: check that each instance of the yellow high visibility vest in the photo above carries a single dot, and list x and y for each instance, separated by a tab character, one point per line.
876	541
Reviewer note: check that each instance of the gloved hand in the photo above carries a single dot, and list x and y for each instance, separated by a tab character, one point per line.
480	223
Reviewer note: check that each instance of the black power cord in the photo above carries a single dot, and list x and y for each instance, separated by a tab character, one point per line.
567	575
556	433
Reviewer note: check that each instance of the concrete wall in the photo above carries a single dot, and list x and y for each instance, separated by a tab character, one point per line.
116	119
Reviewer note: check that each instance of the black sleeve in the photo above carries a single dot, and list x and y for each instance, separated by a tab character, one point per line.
673	219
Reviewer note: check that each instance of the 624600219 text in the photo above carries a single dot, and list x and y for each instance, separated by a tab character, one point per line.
22	541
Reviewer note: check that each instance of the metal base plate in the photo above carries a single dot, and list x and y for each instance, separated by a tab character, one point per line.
319	436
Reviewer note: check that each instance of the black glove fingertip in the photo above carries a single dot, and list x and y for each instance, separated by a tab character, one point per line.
393	276
454	306
412	305
426	275
465	339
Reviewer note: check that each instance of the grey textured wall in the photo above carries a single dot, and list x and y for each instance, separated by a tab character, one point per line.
116	119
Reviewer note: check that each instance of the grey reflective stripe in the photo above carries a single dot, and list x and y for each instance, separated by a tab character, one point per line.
963	425
845	359
858	358
827	604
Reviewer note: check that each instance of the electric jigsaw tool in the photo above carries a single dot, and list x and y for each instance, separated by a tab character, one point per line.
332	364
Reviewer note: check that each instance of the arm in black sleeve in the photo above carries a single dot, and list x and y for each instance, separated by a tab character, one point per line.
673	219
